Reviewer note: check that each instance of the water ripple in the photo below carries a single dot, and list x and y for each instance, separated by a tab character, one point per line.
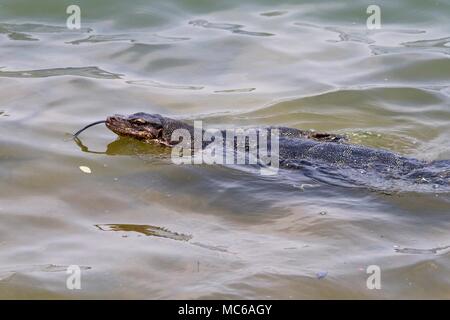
8	273
156	84
147	230
442	42
421	251
234	28
88	72
356	34
273	13
344	34
152	39
235	90
22	31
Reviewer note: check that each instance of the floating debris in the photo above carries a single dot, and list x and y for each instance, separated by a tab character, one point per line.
321	274
303	185
85	169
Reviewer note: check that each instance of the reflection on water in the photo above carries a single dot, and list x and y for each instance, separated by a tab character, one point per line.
309	65
145	230
130	147
234	28
422	251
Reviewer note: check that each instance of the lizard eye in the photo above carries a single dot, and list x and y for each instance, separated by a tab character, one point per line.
138	121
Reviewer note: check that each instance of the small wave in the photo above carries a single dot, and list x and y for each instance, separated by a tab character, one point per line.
273	13
380	50
156	84
234	28
235	90
441	42
344	34
209	247
102	38
355	34
88	72
7	272
421	251
365	179
440	45
355	98
153	39
379	139
24	31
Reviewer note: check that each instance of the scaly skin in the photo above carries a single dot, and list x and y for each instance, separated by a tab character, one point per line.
323	156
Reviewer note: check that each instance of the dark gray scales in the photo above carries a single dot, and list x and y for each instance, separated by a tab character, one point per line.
323	156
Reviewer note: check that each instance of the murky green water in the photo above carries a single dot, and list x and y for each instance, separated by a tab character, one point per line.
140	227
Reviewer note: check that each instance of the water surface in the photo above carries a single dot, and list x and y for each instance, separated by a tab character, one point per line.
140	227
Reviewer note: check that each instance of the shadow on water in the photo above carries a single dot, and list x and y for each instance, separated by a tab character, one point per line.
155	231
